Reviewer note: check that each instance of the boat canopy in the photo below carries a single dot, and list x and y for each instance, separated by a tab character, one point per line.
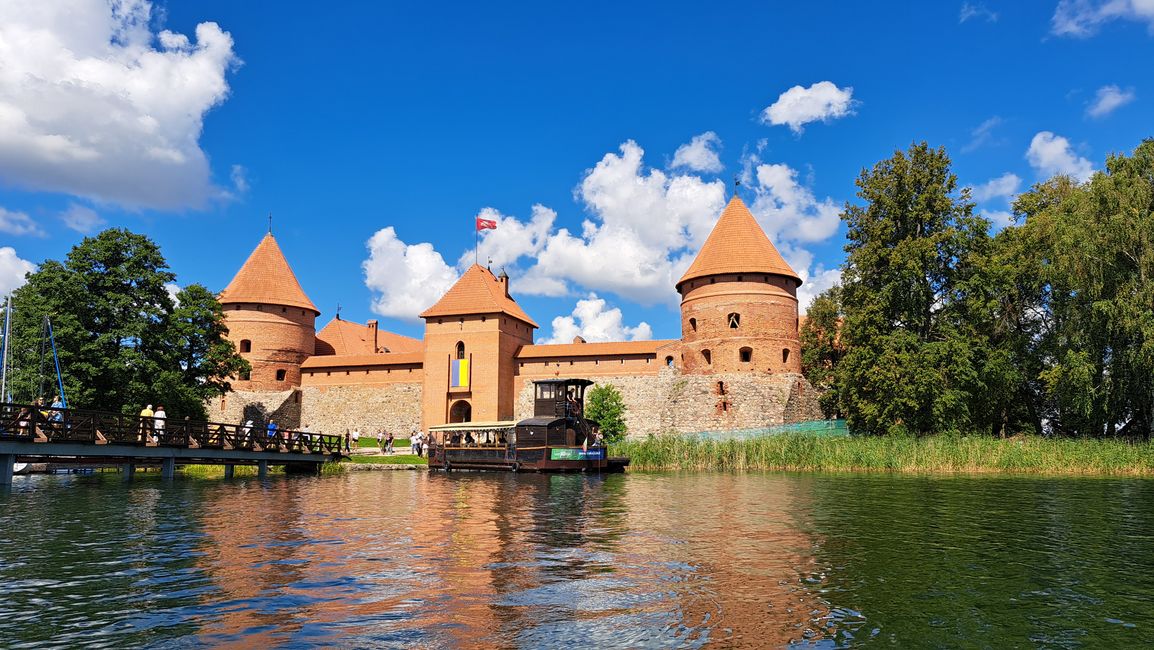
474	426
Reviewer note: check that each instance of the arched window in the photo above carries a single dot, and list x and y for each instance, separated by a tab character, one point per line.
246	345
460	349
734	321
693	324
460	412
669	361
705	354
785	355
746	355
280	375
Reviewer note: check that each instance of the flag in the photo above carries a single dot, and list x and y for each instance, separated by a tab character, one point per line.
486	224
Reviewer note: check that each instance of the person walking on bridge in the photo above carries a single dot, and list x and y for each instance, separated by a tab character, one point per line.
145	424
158	418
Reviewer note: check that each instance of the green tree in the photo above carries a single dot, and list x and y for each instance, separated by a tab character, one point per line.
822	349
121	339
913	365
605	407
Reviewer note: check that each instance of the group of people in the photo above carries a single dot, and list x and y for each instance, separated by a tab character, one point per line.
51	415
152	423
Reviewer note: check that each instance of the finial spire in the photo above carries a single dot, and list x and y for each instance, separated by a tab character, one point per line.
338	311
270	223
736	183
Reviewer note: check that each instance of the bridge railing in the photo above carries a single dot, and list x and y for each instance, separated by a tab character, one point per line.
48	424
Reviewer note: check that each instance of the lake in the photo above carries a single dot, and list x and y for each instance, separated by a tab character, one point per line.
416	559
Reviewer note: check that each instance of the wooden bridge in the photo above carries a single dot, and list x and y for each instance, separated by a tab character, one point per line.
38	434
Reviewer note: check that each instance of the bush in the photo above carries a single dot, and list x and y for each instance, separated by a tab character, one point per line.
606	408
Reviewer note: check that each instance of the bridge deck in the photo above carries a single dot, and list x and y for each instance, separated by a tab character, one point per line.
30	433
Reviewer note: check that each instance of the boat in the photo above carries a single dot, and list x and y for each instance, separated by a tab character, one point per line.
557	438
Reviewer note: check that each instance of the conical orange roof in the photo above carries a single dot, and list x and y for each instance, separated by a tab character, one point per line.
737	245
477	292
266	278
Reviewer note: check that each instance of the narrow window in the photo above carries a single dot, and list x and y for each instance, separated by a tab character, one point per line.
707	356
280	375
460	349
785	355
693	324
739	278
284	310
246	345
721	388
669	361
746	355
734	321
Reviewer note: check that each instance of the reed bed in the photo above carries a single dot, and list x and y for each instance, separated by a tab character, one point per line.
217	471
935	454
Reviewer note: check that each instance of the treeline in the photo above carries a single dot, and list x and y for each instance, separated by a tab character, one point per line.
938	326
122	340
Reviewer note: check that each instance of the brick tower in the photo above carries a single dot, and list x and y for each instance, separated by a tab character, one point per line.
270	320
472	335
739	302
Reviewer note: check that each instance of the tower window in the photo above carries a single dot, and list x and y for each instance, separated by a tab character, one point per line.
734	321
284	310
460	349
246	345
280	375
705	354
746	355
693	324
669	361
785	355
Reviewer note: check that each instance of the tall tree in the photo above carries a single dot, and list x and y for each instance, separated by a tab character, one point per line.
606	408
912	366
822	348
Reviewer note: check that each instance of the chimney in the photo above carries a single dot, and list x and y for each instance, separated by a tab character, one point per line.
372	325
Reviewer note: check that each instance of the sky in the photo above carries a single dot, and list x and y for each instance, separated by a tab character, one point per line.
603	137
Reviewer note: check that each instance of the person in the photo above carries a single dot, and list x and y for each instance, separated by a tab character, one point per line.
57	410
348	446
145	423
306	435
381	440
245	430
357	438
158	419
23	420
389	443
469	438
571	404
272	431
416	441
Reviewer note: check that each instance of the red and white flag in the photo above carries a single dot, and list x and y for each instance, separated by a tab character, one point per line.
486	224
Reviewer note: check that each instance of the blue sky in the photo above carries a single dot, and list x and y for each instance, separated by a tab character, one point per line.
604	137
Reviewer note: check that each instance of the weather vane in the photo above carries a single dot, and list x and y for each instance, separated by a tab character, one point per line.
270	223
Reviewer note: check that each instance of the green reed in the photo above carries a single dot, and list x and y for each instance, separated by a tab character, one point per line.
217	471
934	454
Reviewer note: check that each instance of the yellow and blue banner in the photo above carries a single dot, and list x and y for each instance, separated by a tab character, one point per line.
459	373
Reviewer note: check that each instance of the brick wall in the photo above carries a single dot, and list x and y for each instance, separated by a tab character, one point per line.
393	407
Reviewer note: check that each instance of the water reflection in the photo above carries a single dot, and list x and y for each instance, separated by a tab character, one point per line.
409	559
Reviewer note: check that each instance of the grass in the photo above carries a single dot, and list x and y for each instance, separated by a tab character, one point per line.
217	471
936	454
396	459
370	442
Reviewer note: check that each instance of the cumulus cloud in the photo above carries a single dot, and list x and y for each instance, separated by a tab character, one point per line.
1051	154
407	278
823	101
12	270
1108	99
239	177
813	284
789	211
94	104
173	289
593	322
700	154
18	223
982	135
512	239
82	219
1083	18
978	11
1005	185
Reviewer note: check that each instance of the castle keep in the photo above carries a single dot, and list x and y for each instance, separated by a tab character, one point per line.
737	364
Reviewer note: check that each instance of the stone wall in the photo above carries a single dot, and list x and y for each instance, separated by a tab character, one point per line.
258	406
392	407
674	403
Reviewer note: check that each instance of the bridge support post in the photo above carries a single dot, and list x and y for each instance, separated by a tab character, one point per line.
168	469
7	463
228	468
129	470
262	468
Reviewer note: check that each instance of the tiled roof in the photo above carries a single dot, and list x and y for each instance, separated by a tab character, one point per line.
477	292
737	245
347	337
590	349
266	278
363	360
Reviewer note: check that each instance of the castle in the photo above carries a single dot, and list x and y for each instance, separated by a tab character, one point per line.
737	364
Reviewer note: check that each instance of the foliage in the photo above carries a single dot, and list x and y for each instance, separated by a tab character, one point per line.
822	348
913	364
122	340
605	407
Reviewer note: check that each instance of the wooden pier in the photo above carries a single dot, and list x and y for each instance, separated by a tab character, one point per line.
40	434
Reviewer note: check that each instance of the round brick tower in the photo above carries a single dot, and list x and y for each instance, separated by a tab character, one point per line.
270	320
739	302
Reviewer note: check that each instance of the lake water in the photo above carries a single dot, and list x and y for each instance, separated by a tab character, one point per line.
413	559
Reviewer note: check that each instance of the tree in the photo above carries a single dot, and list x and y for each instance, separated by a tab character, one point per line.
121	339
822	349
913	363
606	408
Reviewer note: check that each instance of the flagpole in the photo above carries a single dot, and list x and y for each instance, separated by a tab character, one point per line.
476	245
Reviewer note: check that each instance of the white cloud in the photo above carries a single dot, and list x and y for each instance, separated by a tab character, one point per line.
1083	18
1108	99
1051	154
89	106
82	219
999	218
512	239
787	210
12	270
700	154
593	322
18	223
172	288
408	278
813	284
976	11
1005	185
239	177
798	106
982	135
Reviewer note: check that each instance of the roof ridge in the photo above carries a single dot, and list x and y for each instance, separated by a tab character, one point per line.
737	244
266	278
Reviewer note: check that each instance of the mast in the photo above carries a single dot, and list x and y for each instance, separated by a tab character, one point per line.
4	354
